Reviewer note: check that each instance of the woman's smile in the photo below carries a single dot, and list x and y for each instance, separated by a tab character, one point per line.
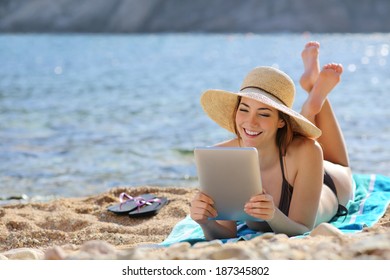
251	133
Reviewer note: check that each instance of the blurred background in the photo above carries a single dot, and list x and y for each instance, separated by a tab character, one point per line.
99	94
137	16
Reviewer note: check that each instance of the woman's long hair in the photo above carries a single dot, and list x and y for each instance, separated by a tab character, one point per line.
285	134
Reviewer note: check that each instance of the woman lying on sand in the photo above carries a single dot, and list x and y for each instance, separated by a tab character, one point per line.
303	158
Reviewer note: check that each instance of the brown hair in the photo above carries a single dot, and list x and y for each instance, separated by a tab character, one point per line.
285	134
234	116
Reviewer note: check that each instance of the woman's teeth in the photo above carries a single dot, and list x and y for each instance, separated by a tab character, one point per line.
251	133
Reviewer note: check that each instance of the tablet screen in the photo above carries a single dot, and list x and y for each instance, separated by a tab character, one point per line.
230	176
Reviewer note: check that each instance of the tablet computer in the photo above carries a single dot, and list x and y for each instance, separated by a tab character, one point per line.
230	176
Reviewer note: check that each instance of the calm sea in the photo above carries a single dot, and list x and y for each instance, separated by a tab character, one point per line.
80	114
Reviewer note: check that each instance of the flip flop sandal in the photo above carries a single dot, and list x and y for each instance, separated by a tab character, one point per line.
149	207
128	203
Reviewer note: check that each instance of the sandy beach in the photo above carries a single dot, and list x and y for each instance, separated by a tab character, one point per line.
82	228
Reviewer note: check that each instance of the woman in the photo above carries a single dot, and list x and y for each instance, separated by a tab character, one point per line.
303	160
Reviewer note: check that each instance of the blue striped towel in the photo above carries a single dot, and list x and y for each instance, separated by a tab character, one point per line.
372	198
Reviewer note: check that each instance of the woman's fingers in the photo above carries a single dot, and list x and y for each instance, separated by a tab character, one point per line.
261	197
201	208
261	206
203	197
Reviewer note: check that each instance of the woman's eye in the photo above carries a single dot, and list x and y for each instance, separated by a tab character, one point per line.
264	115
243	110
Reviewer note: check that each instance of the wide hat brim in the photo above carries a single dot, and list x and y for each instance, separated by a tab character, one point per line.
220	106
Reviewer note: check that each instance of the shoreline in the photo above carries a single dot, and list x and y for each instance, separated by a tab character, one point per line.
82	228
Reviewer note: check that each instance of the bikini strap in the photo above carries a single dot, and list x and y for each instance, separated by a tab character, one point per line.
285	197
282	166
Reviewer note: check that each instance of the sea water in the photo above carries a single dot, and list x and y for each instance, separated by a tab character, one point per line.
80	114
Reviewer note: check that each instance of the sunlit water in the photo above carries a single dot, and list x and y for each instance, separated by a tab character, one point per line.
84	113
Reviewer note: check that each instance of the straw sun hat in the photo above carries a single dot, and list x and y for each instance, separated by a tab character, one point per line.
268	85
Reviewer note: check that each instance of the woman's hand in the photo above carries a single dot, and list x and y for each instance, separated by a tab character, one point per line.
202	208
261	206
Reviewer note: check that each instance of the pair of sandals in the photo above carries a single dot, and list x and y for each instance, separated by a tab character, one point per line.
140	206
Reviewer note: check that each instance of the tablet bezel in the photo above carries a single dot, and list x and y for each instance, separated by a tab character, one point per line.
230	176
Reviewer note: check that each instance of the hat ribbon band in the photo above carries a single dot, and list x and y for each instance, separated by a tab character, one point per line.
262	91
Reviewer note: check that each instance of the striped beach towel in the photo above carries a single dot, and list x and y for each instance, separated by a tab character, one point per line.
372	197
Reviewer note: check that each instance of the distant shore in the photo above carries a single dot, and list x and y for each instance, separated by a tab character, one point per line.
226	16
82	228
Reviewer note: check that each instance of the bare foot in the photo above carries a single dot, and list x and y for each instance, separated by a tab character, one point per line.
328	78
311	64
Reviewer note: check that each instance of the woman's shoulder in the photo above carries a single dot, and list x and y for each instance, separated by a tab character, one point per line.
303	156
229	143
303	146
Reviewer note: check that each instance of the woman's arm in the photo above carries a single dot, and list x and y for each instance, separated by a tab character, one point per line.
201	210
307	156
219	229
307	185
